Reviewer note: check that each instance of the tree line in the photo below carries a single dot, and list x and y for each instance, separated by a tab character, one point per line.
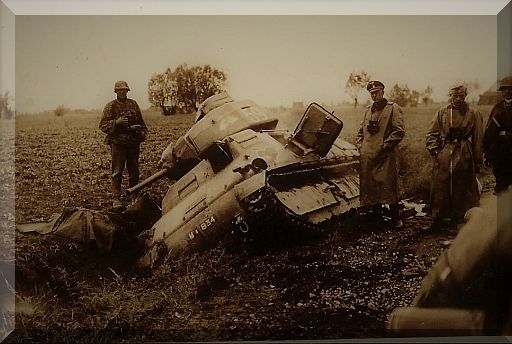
400	94
182	89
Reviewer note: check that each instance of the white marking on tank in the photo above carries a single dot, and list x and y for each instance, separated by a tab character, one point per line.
227	121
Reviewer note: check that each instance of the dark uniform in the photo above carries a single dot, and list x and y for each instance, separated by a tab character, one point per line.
498	140
122	122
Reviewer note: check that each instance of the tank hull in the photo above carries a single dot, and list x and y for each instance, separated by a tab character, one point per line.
249	171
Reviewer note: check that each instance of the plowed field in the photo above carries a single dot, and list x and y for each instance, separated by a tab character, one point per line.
343	284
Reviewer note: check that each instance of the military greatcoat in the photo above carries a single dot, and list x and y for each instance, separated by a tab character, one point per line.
454	139
498	144
379	155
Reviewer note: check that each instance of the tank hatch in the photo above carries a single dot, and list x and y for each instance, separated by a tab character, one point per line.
316	131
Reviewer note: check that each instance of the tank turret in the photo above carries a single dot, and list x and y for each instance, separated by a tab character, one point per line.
232	166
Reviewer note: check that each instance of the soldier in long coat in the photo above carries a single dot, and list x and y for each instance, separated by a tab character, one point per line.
454	140
498	138
380	132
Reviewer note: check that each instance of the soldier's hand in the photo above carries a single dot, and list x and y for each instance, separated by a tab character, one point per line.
122	121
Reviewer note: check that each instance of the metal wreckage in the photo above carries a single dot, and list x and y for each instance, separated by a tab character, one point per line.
467	292
233	168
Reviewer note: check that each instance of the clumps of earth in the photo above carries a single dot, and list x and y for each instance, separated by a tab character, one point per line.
341	284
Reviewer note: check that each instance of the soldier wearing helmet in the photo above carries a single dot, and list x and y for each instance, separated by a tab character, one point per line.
454	140
122	122
380	132
498	138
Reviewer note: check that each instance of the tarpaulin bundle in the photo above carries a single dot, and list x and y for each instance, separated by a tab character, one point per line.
77	224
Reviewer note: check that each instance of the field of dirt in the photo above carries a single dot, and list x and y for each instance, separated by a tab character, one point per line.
7	226
341	284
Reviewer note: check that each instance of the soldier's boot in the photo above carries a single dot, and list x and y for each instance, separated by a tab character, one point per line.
396	218
362	214
436	225
376	213
369	216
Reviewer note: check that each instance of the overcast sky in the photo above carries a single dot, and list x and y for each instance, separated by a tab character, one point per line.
274	60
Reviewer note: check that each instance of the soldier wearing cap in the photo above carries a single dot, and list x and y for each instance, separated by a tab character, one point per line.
454	140
122	122
498	138
380	132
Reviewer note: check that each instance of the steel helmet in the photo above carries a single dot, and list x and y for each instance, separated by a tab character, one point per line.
506	82
121	85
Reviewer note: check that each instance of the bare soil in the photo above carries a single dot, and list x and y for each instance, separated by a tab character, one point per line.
340	284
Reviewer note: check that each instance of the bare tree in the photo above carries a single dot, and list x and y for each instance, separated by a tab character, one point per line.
400	94
426	95
414	98
355	83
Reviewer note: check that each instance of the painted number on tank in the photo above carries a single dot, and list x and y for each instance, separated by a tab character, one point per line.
207	223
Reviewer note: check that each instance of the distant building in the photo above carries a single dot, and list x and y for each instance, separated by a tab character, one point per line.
491	96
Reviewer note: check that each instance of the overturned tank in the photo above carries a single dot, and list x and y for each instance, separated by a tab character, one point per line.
233	165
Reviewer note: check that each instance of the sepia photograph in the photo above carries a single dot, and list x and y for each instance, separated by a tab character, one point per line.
224	171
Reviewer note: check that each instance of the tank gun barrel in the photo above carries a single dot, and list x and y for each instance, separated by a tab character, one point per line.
148	181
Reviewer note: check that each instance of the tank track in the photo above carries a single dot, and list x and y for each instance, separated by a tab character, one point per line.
270	220
270	223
